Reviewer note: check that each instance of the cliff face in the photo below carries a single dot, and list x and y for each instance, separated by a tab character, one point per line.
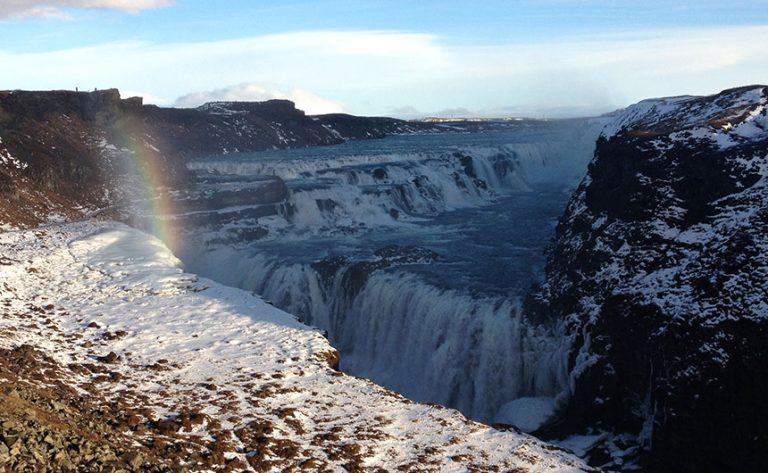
659	274
66	153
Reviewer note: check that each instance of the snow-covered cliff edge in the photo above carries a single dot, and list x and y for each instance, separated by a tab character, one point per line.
179	373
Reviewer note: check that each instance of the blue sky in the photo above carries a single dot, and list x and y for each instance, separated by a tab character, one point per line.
374	57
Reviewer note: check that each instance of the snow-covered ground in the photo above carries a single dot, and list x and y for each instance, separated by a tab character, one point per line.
81	291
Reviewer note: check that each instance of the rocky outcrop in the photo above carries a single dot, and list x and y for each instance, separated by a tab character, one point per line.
68	153
354	274
659	276
227	127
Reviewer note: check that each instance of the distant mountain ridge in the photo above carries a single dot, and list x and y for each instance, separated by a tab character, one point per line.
72	148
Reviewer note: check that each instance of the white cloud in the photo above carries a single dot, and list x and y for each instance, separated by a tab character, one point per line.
376	72
148	98
305	100
362	65
21	9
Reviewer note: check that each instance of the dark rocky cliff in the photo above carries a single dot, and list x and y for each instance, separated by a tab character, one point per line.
659	273
55	148
222	127
68	153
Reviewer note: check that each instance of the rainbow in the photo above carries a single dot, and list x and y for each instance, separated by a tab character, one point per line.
149	185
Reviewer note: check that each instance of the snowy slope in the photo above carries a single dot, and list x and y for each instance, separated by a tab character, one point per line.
208	368
736	114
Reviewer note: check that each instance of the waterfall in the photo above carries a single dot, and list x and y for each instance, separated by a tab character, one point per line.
431	344
451	345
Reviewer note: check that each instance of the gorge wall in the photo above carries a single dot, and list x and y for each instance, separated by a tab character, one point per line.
659	274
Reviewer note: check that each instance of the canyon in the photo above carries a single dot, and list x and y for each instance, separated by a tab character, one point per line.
641	342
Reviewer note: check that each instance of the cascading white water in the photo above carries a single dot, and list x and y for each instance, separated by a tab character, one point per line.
444	366
340	192
421	188
449	345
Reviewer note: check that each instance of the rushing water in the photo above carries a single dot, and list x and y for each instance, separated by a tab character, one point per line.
413	253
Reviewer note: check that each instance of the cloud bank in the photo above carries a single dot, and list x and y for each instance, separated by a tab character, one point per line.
305	100
378	72
55	8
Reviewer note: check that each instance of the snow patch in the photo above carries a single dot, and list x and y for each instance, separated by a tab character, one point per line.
527	413
8	160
